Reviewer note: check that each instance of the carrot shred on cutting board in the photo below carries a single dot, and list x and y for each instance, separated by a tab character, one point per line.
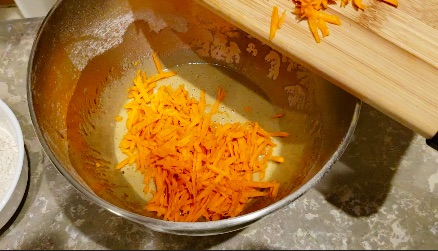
313	11
276	22
202	170
393	2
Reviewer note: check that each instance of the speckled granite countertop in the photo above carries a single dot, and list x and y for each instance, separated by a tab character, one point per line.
382	194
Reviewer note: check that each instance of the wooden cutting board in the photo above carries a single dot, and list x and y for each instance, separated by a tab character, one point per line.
386	56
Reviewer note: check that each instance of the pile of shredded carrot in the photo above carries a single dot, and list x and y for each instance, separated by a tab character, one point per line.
313	11
202	170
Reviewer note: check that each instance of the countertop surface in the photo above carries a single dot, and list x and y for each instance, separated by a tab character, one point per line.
381	194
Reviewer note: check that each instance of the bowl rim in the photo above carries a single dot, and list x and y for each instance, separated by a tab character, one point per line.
181	228
18	137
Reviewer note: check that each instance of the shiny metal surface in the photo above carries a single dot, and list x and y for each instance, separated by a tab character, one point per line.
81	65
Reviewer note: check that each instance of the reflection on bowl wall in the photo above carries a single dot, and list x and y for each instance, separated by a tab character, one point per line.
80	71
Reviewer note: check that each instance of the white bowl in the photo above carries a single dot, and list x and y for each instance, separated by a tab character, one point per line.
13	195
34	8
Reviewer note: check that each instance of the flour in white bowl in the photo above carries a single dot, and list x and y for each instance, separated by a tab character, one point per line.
8	160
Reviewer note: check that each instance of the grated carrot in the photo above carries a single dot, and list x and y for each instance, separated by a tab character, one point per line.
201	169
279	115
276	22
313	11
277	159
281	19
393	2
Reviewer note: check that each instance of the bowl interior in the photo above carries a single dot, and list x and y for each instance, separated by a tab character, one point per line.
80	72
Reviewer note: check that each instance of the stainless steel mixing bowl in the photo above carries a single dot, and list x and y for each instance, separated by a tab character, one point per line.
86	54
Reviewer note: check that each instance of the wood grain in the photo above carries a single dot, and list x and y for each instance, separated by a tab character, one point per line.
386	56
